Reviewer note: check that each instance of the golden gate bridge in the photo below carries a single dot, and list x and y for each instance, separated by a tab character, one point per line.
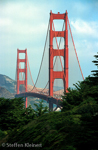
56	55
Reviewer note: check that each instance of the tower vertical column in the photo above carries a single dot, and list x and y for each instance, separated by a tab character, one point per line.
51	58
19	82
66	55
17	71
51	63
26	76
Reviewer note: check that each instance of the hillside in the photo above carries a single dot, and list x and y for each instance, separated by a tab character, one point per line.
7	83
5	93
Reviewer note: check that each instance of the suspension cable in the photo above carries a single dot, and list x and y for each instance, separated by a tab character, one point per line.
30	71
75	50
42	56
30	74
44	87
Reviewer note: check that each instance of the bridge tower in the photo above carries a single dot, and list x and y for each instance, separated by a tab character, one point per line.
54	52
19	70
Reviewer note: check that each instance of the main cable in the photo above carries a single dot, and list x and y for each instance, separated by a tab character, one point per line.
42	56
75	50
31	75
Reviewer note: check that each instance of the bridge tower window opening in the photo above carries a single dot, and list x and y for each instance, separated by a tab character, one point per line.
58	25
21	55
58	86
21	76
22	65
59	40
57	66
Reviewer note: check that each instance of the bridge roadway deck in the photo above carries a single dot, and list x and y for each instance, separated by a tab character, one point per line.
41	96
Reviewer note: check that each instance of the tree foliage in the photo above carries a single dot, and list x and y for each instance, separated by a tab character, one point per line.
85	92
95	74
40	109
13	114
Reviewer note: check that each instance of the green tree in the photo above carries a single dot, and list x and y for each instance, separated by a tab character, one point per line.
93	79
85	92
95	74
40	109
13	114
